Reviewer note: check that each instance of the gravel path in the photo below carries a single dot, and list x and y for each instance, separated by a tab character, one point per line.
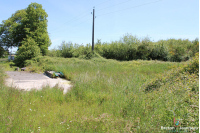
27	81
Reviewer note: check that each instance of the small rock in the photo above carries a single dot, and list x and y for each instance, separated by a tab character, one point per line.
23	69
17	69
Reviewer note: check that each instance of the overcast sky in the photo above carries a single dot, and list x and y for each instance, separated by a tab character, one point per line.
71	20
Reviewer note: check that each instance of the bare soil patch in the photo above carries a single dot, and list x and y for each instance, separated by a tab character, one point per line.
27	81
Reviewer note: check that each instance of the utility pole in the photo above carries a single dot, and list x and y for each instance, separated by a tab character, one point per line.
93	29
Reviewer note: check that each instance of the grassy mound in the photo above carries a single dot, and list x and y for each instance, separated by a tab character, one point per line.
177	91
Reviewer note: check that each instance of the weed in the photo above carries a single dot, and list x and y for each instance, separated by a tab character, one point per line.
107	96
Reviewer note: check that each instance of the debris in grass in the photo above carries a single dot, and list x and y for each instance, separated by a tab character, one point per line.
53	74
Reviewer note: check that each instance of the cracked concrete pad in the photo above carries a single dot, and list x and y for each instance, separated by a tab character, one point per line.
27	81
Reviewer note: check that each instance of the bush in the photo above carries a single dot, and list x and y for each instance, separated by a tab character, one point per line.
195	47
159	52
66	49
177	54
2	51
54	53
143	52
132	53
131	48
193	65
27	51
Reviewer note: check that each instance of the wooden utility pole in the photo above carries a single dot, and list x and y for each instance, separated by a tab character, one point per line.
93	29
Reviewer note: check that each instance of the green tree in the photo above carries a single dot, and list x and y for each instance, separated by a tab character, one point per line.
36	26
28	50
129	39
144	49
29	22
2	51
11	30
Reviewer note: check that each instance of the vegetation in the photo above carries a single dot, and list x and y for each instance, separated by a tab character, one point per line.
3	52
131	48
107	96
119	87
28	50
25	25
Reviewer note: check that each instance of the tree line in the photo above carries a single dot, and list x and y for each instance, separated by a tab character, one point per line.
131	48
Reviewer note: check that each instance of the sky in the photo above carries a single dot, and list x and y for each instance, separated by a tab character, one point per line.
71	20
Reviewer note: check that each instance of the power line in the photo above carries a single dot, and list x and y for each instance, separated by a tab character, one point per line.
102	2
114	5
78	23
131	7
86	14
77	17
73	19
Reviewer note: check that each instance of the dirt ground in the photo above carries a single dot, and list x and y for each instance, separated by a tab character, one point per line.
27	81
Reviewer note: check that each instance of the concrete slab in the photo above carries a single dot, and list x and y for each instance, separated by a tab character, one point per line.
27	81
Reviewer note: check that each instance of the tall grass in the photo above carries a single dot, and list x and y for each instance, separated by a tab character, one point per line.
107	96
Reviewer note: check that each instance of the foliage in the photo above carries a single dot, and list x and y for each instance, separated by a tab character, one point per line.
180	50
192	66
54	53
66	49
36	26
194	48
124	49
159	52
12	30
29	22
28	50
2	52
143	52
131	48
179	86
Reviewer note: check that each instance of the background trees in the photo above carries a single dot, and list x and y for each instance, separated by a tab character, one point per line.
131	48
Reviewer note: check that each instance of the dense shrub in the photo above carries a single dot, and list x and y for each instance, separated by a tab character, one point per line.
132	53
28	50
177	54
193	65
124	49
194	47
54	53
159	52
143	52
83	52
131	48
2	51
66	49
98	47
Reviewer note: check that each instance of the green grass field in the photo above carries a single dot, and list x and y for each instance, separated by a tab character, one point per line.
107	96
